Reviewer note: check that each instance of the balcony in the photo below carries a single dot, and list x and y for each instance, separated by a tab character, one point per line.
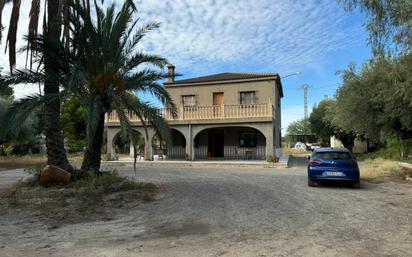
202	113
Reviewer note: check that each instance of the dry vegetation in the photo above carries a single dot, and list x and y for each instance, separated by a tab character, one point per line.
22	161
14	162
291	151
91	198
380	170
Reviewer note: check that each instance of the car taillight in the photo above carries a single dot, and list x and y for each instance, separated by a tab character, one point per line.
314	162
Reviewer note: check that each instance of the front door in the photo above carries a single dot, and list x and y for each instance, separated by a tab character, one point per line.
216	143
218	104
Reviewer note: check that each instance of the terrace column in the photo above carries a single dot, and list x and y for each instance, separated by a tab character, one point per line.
148	148
131	149
270	151
189	143
110	148
270	140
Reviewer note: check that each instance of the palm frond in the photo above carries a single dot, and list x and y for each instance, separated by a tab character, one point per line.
12	33
126	126
130	45
33	28
142	58
19	111
2	4
22	77
145	81
149	113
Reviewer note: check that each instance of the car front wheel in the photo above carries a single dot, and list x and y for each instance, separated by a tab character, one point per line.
356	184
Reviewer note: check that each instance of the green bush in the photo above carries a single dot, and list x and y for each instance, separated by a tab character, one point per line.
76	146
395	149
9	150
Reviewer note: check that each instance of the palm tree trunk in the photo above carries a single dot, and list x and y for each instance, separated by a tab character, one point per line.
92	156
56	154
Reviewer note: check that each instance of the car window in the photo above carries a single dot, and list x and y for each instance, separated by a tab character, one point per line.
333	155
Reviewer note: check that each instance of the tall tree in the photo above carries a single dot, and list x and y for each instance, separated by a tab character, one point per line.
103	70
376	101
299	127
319	123
5	90
54	13
107	73
389	22
54	138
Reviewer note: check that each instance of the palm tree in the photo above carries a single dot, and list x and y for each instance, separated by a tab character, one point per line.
102	69
56	154
106	73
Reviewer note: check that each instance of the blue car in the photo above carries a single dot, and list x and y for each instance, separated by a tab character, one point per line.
333	164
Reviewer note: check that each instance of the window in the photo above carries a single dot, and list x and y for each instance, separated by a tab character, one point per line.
333	155
248	97
248	139
189	100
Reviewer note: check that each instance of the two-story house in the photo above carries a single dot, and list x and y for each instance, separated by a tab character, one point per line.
221	116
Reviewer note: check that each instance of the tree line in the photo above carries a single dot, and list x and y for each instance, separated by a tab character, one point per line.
374	101
86	58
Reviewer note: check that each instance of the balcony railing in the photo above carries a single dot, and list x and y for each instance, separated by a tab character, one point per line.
208	112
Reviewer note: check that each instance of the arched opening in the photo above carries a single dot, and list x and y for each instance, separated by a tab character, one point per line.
176	150
231	143
123	148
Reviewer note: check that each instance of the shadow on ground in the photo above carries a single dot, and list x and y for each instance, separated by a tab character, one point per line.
298	161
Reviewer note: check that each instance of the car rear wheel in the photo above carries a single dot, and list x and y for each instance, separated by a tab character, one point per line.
356	184
311	183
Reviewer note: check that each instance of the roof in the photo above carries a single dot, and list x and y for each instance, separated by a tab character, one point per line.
225	76
228	76
332	149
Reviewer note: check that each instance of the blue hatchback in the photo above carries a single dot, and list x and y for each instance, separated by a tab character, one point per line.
333	164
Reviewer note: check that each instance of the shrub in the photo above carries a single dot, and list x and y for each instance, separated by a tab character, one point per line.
9	150
89	198
270	158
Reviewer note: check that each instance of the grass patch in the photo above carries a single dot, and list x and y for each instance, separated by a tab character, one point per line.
90	198
380	170
15	162
23	161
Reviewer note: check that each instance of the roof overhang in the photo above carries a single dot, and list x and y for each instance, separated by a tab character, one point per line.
275	77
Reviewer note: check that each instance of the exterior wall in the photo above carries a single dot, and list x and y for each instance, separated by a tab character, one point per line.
269	126
358	147
232	148
265	128
204	93
191	131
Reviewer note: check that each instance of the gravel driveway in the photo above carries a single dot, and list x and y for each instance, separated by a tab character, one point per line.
232	212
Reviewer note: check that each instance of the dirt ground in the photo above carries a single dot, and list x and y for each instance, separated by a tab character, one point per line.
229	212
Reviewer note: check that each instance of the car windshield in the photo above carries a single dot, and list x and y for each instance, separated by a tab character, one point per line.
333	155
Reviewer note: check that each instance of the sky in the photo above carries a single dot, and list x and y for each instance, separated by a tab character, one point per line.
314	37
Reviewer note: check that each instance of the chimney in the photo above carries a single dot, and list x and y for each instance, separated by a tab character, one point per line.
170	73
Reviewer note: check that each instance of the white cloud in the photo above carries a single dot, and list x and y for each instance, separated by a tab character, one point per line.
202	36
240	35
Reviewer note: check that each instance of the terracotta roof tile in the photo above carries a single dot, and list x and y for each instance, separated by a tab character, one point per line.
224	76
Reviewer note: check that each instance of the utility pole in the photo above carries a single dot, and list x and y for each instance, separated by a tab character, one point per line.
305	89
